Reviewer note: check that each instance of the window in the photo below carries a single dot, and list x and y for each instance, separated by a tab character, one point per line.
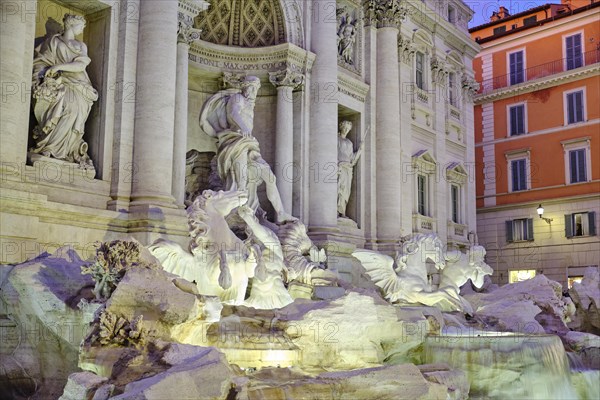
530	21
422	194
499	30
520	275
452	96
517	67
419	70
580	224
577	165
519	230
516	116
455	199
578	160
574	56
513	26
575	109
518	170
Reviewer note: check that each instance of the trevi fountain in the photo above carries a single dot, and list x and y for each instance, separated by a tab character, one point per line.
213	274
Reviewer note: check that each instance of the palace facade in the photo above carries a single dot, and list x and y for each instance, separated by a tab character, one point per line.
399	71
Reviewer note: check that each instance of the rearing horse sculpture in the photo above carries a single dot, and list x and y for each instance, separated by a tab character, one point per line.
219	262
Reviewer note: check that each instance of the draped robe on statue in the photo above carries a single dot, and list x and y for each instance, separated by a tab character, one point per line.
62	103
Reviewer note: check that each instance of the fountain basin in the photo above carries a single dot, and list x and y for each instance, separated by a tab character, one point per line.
501	365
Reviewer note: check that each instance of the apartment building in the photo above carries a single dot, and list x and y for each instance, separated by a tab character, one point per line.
537	140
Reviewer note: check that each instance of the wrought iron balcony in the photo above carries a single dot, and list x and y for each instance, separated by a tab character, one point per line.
539	71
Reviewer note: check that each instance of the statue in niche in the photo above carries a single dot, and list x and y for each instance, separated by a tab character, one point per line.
346	37
229	116
347	159
63	95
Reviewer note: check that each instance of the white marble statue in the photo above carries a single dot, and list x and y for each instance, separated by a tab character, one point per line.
63	94
461	267
219	262
229	116
347	159
268	291
404	280
346	37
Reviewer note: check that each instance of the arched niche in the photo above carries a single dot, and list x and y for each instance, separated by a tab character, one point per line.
96	35
251	23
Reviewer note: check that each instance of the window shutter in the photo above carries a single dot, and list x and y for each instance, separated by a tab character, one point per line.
509	231
513	121
573	164
581	172
530	229
570	53
570	108
515	175
592	221
577	56
568	225
522	175
578	103
520	117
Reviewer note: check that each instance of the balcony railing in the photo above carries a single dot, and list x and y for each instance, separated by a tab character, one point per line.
540	71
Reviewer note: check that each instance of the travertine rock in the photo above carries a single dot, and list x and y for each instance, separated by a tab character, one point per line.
41	297
586	346
153	294
455	380
205	375
532	306
357	330
389	382
586	296
82	386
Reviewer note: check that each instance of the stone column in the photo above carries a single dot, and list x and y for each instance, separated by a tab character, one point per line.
389	168
285	81
186	35
155	104
323	121
16	55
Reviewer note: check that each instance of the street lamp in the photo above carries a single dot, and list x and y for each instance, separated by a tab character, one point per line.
540	211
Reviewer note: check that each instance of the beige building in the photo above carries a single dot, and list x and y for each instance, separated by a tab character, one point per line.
400	71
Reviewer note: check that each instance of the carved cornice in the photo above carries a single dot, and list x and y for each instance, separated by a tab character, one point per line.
406	49
384	13
539	84
352	87
286	77
188	10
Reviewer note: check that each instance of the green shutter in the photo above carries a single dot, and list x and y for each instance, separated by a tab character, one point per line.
592	221
509	231
569	225
530	229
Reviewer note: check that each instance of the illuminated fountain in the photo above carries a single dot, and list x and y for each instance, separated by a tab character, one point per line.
506	365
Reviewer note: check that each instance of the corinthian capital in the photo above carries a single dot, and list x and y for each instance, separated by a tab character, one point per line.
470	86
286	77
406	49
187	34
384	13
